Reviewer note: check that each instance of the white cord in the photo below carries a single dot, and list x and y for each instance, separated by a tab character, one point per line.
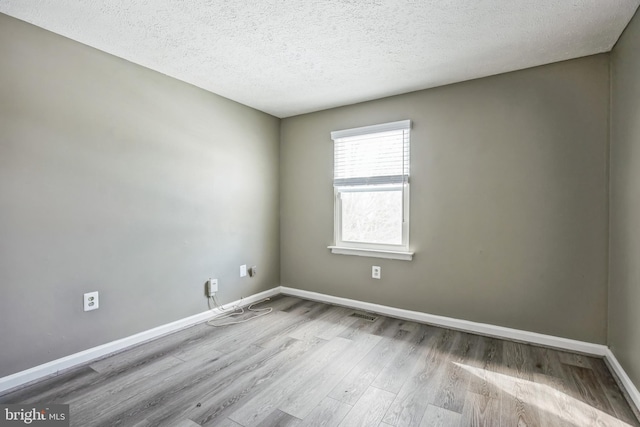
261	312
217	304
220	306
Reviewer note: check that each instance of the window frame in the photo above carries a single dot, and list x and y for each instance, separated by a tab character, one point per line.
378	250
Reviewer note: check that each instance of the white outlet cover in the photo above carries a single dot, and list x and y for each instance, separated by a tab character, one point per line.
375	272
243	270
91	301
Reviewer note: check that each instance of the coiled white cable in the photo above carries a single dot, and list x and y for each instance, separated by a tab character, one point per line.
236	311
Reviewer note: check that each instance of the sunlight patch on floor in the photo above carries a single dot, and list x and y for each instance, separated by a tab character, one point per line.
546	398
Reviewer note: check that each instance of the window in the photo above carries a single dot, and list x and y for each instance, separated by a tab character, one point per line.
371	187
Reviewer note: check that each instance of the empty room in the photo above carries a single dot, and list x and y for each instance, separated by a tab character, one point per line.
324	213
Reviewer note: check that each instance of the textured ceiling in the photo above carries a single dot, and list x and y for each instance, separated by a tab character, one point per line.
288	57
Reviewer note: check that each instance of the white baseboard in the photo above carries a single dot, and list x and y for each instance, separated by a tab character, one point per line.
627	384
463	325
55	366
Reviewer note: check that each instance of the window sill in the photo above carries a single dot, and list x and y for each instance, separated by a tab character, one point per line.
373	253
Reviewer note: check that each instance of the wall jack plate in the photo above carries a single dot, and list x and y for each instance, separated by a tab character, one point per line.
91	301
212	287
375	272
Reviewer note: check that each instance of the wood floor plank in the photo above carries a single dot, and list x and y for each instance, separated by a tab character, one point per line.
333	329
182	386
440	417
280	419
152	350
563	409
309	309
514	376
452	392
299	305
218	395
329	413
227	423
396	372
244	334
481	411
120	389
197	352
281	330
303	399
418	391
516	360
546	361
381	326
553	403
358	380
487	359
613	393
369	409
186	423
280	303
281	369
326	326
301	327
522	405
56	389
267	400
575	359
589	388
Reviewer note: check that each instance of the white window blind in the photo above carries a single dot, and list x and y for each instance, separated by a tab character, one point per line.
372	155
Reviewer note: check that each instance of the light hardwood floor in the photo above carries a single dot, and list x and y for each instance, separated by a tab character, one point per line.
312	364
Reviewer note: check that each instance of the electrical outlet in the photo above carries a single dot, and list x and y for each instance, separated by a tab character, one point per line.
91	301
253	271
243	270
376	272
212	287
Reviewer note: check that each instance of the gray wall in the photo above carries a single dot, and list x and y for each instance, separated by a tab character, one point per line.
508	201
624	268
119	179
